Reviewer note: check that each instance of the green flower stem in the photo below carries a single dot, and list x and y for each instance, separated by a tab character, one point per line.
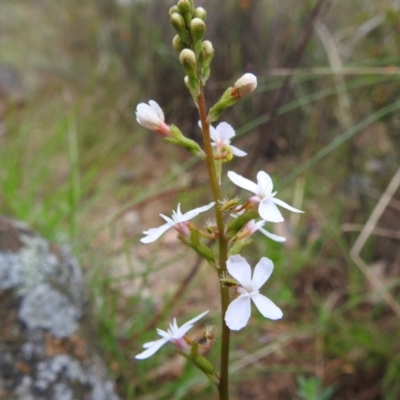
223	245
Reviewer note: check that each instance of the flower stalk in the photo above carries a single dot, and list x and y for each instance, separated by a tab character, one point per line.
222	245
233	271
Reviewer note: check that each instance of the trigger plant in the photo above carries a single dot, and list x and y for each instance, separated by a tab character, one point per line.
221	243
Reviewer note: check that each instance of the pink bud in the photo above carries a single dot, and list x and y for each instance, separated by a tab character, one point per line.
245	85
151	116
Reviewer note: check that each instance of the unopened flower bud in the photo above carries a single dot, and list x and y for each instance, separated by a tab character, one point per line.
177	22
184	6
177	44
186	81
197	29
151	116
245	85
193	86
201	13
205	57
173	9
188	60
208	49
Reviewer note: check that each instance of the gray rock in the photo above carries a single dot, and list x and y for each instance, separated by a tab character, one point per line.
47	345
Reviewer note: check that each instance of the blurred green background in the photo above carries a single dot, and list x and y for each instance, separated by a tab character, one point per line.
324	122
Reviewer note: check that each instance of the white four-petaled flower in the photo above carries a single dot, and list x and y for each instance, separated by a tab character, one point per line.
179	221
221	137
239	310
263	195
174	334
151	116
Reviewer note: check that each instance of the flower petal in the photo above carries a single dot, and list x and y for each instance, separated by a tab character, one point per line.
152	347
240	269
163	334
177	215
285	205
180	332
150	344
272	236
266	307
213	135
242	182
225	132
194	213
147	117
167	219
195	319
265	184
154	233
157	109
269	211
238	313
262	272
237	152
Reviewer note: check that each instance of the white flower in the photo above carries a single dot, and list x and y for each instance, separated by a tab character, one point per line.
239	310
267	208
174	334
179	221
253	226
152	117
221	136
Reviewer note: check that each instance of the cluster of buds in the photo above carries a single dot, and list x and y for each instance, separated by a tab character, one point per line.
195	54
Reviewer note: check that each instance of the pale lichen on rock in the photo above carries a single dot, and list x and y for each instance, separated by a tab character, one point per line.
47	347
